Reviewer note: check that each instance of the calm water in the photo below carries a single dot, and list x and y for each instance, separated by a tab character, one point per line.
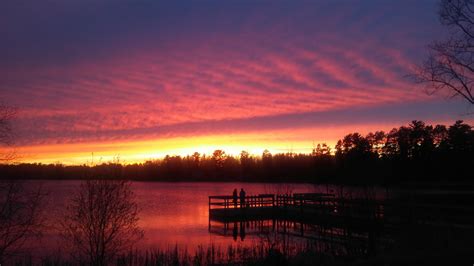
177	214
170	213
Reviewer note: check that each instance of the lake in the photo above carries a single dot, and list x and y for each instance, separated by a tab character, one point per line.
171	214
177	215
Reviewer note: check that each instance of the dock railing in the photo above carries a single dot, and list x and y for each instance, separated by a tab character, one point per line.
304	199
252	201
306	202
271	200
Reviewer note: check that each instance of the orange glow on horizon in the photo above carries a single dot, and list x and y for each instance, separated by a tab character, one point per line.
143	150
140	150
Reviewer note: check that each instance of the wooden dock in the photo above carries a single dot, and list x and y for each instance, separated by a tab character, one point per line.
307	207
360	226
451	210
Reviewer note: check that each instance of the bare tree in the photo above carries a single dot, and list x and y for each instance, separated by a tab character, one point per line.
450	64
21	217
101	221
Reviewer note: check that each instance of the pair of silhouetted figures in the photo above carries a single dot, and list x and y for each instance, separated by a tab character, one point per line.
236	197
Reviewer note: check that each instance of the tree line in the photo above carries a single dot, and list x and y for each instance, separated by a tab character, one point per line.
413	153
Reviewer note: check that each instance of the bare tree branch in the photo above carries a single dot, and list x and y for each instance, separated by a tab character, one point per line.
450	65
102	221
21	216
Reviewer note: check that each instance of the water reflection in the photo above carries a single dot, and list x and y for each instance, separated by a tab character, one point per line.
343	241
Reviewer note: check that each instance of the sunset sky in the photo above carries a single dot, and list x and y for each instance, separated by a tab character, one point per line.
141	79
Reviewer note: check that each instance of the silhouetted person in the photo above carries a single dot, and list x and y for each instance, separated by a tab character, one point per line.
234	198
242	198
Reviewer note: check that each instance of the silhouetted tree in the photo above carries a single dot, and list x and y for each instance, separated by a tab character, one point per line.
450	64
421	140
101	221
173	166
321	150
196	159
219	156
267	162
461	138
21	216
323	162
440	135
354	154
354	146
376	141
244	157
247	163
397	143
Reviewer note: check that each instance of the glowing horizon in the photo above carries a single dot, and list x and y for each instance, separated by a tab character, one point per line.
138	151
